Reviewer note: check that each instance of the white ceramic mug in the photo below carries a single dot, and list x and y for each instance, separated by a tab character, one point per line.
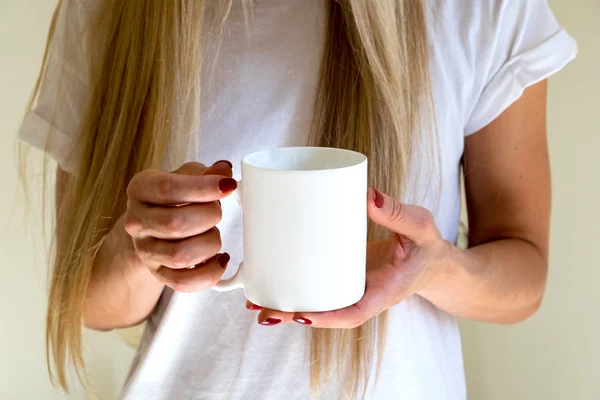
305	229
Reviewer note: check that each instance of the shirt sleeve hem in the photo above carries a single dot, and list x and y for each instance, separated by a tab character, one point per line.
42	135
524	70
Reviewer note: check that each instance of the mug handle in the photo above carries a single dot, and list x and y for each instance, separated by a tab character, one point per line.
236	281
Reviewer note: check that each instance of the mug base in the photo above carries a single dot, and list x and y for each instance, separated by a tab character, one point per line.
302	306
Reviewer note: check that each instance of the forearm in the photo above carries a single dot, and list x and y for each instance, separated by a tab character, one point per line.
122	292
502	281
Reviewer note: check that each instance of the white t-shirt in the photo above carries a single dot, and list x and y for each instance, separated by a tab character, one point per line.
206	345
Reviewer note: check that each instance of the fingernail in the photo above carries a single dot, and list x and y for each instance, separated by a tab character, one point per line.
253	307
226	162
224	260
270	321
378	198
302	320
227	185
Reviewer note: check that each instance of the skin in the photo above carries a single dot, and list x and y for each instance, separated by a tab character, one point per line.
501	278
169	226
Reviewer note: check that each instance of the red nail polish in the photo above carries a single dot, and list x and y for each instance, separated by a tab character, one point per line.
224	260
253	307
226	162
378	198
302	320
227	185
270	321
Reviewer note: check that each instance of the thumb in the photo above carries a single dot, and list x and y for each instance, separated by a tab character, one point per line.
414	222
190	168
221	167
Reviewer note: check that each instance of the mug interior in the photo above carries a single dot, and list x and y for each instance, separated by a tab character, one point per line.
304	159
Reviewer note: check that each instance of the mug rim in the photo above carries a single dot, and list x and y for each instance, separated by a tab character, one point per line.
361	159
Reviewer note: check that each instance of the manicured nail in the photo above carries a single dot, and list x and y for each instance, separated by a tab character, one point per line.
253	307
302	320
227	185
225	162
224	260
270	321
378	198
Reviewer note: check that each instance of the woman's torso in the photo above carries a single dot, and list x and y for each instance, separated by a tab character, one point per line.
207	345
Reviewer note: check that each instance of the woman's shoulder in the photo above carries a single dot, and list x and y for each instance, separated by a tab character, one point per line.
486	24
79	11
487	34
493	49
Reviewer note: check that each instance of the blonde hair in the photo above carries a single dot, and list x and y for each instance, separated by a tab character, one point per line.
373	97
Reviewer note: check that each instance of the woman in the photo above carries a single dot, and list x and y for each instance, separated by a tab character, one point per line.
133	89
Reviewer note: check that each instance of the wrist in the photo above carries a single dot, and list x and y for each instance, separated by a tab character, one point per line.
451	267
118	243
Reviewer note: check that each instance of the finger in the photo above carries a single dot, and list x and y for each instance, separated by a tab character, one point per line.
222	167
253	307
172	222
195	279
178	254
191	168
163	188
375	300
269	317
414	222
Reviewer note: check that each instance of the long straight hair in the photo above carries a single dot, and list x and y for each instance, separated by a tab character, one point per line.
146	58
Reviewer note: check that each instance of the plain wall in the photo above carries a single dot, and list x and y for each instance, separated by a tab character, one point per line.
553	356
23	29
556	354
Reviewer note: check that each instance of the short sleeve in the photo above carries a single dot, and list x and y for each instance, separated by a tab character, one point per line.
52	124
528	46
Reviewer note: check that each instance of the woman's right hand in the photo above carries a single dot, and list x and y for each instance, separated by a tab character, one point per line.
171	218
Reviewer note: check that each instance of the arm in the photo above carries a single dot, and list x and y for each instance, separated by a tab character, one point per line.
501	278
121	292
166	237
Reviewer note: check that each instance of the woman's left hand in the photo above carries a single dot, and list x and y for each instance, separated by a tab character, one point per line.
414	258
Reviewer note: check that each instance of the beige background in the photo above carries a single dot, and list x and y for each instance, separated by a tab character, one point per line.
556	354
23	28
553	356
